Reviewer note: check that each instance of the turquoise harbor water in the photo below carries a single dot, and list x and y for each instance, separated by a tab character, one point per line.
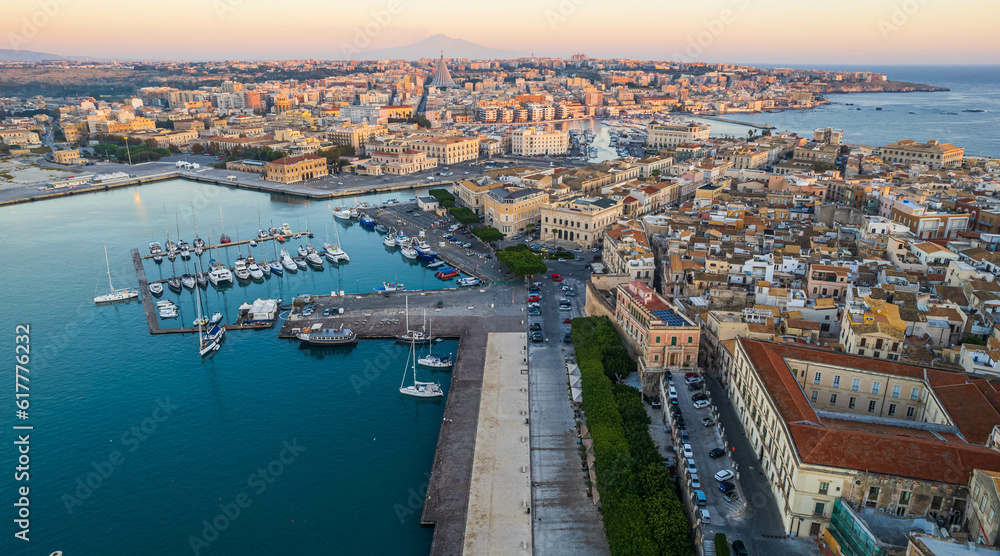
191	436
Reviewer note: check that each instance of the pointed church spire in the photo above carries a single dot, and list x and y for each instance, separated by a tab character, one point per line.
442	78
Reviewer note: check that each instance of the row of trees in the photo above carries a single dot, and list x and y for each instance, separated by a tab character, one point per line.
444	197
643	514
521	260
487	233
464	215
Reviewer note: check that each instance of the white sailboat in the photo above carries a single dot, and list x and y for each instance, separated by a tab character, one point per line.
419	389
115	295
435	361
208	343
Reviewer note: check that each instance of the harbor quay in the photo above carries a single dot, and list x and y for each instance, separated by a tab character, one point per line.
461	503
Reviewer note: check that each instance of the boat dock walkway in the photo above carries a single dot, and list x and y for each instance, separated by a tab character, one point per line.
728	121
149	307
237	243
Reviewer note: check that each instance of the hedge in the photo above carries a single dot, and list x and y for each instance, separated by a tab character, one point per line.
642	512
721	545
464	215
487	233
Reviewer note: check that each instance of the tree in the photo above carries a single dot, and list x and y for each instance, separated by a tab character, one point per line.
721	545
486	233
197	148
973	340
821	166
655	173
521	260
464	215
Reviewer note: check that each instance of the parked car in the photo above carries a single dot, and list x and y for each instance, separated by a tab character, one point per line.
701	404
568	339
672	393
567	321
695	481
705	516
688	452
716	453
726	486
534	312
700	498
699	396
724	475
691	466
556	278
535	327
739	549
537	337
707	422
534	297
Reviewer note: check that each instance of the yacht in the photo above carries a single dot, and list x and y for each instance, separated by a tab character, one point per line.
355	213
286	229
327	336
168	313
189	281
276	268
314	260
156	288
342	214
302	251
219	274
255	272
216	319
418	389
115	295
265	268
240	269
335	254
287	262
300	262
174	284
211	340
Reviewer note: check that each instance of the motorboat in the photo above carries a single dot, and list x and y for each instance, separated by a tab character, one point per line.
287	262
281	239
156	288
367	221
286	229
202	280
240	269
168	313
255	272
335	254
469	281
189	281
253	243
435	264
390	287
122	294
409	252
302	251
300	262
216	318
342	214
381	228
276	268
355	213
327	336
313	260
156	251
218	273
200	321
446	273
174	284
264	268
262	234
165	303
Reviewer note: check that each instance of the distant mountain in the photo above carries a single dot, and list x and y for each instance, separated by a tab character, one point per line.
432	47
7	55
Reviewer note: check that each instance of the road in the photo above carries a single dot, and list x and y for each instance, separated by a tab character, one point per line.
566	520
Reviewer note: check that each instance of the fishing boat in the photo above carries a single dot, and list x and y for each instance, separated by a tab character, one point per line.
446	273
469	281
435	264
435	361
409	252
218	273
390	241
156	289
174	284
300	262
418	389
189	281
424	251
381	228
327	336
367	221
389	287
115	295
287	262
342	213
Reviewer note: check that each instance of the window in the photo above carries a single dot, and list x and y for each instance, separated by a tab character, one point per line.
873	493
673	341
657	339
824	488
871	407
861	352
836	381
904	498
819	508
814	395
856	384
876	386
833	399
909	413
892	409
690	339
936	503
915	394
851	403
817	377
895	390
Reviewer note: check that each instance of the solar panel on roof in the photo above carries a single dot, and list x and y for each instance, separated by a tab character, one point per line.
669	317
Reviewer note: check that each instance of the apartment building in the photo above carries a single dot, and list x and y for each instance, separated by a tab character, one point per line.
512	209
659	136
816	153
472	192
828	281
663	337
531	142
625	250
580	221
66	157
397	164
293	169
932	154
449	150
898	439
928	224
355	135
873	328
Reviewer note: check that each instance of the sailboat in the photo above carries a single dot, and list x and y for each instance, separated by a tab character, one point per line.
411	336
208	343
223	238
115	295
434	361
199	244
334	253
276	264
170	246
418	389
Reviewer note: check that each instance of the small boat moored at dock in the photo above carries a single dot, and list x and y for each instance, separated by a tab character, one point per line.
156	289
469	281
390	287
327	336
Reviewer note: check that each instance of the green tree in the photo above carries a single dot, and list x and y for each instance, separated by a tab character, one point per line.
655	173
721	545
521	260
464	215
821	166
973	340
486	233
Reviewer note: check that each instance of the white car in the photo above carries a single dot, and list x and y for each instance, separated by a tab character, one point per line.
701	404
705	516
688	452
672	392
695	482
724	475
692	468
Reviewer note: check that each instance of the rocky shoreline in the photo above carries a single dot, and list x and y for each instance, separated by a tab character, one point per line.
878	87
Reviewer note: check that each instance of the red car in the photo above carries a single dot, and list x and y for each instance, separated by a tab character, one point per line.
533	298
567	321
556	278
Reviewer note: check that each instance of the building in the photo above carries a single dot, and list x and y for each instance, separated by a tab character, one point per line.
442	77
472	193
355	135
931	154
293	169
532	142
873	328
625	250
448	150
659	136
580	220
397	164
896	439
66	157
828	136
828	281
249	166
928	224
664	339
513	210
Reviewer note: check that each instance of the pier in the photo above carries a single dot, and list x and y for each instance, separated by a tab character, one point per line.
238	243
728	121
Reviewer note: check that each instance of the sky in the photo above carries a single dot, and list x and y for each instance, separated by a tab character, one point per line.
738	31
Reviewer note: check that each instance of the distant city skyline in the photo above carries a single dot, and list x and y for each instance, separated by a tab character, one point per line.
734	31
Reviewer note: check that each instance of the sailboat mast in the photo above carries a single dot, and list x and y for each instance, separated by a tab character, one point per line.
108	265
407	299
166	226
195	220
